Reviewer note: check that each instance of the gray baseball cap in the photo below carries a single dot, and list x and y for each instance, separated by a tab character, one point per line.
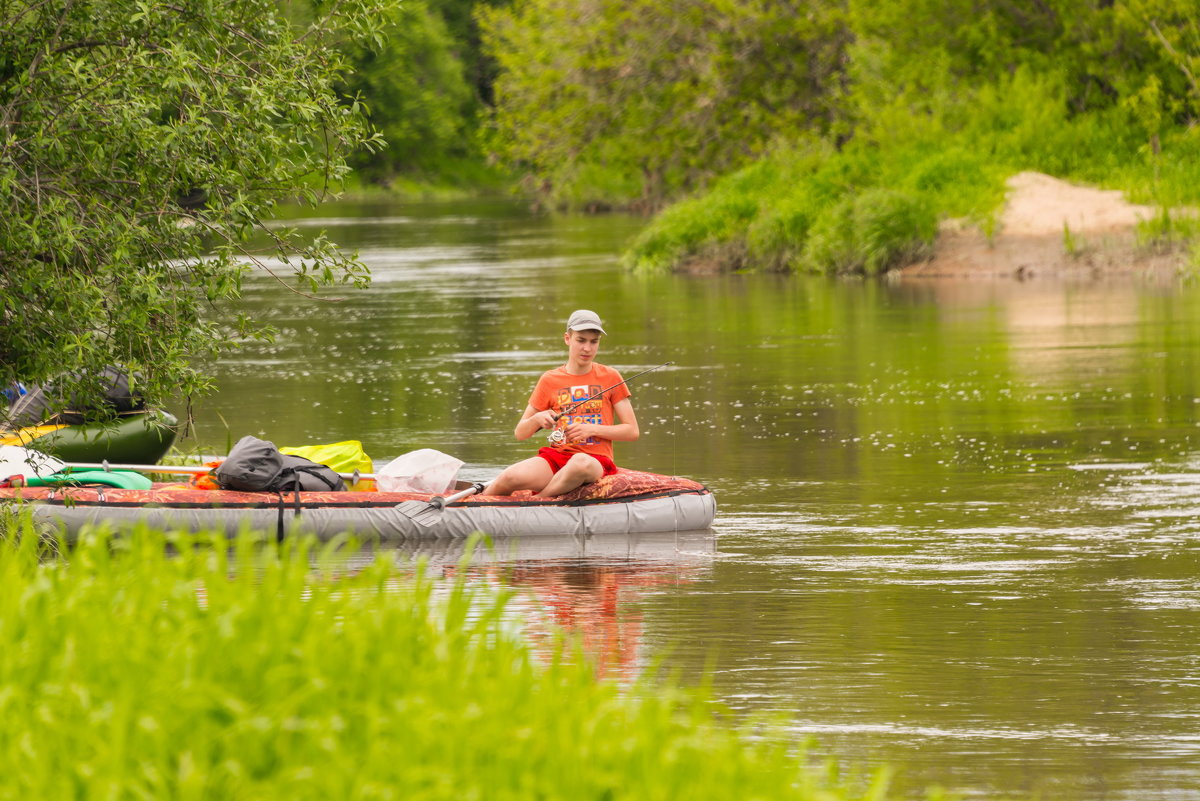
584	320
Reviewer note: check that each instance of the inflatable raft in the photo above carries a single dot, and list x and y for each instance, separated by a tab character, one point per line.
141	437
628	502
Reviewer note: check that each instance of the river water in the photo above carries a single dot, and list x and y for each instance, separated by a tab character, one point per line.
957	527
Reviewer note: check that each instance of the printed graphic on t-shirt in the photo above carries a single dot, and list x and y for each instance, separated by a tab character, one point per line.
590	412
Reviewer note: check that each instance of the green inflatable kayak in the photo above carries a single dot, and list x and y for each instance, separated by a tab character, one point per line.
134	438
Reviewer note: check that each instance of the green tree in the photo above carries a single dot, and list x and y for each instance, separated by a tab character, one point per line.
633	102
1170	79
426	88
462	23
1106	49
142	144
415	89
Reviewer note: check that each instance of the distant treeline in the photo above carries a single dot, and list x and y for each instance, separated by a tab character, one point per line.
633	103
762	117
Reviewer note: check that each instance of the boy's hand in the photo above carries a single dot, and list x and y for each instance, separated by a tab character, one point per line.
577	432
544	419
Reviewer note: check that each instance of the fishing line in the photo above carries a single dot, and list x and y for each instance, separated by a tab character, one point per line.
674	445
674	423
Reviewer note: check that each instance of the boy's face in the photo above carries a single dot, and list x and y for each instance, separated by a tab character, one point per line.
582	345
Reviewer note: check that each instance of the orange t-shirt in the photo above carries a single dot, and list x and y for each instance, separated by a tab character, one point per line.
557	389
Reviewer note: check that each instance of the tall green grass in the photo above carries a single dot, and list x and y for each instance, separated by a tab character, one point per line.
809	209
875	202
180	667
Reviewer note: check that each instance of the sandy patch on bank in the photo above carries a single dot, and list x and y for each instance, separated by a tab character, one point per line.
1030	239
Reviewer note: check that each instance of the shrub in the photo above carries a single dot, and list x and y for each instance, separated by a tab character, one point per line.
892	229
696	229
957	182
775	240
870	232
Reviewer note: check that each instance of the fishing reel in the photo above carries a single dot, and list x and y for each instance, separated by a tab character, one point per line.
557	436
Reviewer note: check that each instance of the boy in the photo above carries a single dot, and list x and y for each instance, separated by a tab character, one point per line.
584	454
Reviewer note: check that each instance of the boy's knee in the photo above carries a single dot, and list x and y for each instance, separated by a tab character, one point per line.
585	466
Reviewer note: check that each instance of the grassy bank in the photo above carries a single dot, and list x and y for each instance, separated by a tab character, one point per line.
875	202
137	670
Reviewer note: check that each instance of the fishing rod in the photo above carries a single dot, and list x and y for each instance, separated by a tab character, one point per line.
557	434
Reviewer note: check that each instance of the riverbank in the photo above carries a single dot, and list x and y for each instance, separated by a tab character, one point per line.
1052	228
445	180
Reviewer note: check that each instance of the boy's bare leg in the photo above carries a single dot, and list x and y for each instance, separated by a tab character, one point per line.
581	469
532	474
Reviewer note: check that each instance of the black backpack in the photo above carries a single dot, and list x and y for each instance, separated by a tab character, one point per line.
256	465
33	408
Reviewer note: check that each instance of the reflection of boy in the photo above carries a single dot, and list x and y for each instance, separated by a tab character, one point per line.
584	453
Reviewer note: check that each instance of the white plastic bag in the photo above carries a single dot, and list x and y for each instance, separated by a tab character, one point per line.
425	470
15	461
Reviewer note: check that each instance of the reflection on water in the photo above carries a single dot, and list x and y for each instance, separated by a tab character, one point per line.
581	585
667	547
592	597
957	522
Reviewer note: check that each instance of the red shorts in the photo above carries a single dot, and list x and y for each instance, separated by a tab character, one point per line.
558	459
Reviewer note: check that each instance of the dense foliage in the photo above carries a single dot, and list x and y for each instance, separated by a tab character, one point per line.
604	103
425	85
861	109
141	145
415	91
137	670
874	203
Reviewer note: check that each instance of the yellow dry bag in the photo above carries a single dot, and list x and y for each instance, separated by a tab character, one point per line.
343	457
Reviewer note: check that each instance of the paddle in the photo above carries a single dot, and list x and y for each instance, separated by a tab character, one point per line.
428	513
175	468
423	513
12	453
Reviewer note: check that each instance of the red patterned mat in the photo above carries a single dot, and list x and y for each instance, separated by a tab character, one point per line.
625	484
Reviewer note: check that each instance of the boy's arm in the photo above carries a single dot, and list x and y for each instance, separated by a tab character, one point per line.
532	420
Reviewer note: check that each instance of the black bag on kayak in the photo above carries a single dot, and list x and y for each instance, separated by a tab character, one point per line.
34	406
256	465
308	476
